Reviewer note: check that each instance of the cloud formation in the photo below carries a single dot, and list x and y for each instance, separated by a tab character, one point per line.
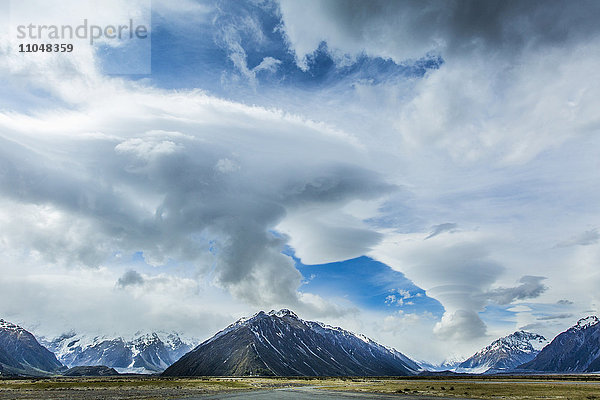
461	325
381	27
486	116
130	278
530	287
487	139
201	181
556	316
584	239
441	228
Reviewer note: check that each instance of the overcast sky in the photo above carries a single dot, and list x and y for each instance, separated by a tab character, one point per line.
422	172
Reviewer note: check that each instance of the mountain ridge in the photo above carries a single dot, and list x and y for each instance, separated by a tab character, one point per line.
142	353
22	354
279	343
575	350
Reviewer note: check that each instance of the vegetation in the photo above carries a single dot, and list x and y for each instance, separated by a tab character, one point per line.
580	387
478	387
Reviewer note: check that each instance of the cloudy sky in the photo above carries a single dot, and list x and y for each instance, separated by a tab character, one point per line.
423	172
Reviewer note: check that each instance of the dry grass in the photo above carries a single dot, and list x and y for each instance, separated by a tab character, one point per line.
137	387
108	388
477	388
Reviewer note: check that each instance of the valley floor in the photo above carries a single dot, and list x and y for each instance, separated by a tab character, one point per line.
146	388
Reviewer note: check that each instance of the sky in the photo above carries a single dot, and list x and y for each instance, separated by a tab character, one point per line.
421	172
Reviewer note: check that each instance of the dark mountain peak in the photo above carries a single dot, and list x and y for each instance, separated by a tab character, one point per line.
21	353
585	323
528	335
282	344
245	320
284	312
9	326
575	350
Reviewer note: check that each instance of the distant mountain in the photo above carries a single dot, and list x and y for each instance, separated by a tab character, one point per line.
145	353
504	354
281	344
575	350
21	354
446	365
99	370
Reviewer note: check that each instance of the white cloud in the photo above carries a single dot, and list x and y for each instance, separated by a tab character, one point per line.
500	140
461	326
497	139
179	176
586	238
225	165
322	235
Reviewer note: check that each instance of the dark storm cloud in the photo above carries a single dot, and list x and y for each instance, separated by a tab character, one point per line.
412	28
130	278
564	302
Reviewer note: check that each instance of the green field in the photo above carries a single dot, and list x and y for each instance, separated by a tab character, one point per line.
137	387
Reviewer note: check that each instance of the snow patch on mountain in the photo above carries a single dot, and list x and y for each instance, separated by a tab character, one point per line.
449	364
504	354
140	353
9	326
586	322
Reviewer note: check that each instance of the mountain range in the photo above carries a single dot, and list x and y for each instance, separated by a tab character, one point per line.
144	353
281	344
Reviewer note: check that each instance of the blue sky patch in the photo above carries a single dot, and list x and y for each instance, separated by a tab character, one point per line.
222	53
367	283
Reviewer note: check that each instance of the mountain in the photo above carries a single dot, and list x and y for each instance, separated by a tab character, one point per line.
99	370
281	344
504	354
21	353
575	350
446	365
144	353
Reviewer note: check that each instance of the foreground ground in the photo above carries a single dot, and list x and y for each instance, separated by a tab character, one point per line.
137	387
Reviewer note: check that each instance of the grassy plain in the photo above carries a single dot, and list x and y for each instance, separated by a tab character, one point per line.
521	388
150	387
121	387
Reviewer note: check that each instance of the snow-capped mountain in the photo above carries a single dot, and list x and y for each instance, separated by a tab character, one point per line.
21	353
575	350
144	353
281	344
449	364
504	354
